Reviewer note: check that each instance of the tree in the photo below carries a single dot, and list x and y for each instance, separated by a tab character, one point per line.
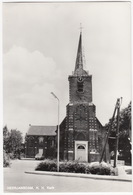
6	147
124	147
12	142
6	142
16	142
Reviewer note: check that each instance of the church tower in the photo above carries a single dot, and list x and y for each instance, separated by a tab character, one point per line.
82	139
80	84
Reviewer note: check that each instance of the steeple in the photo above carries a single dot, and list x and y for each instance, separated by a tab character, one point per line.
79	71
79	59
80	82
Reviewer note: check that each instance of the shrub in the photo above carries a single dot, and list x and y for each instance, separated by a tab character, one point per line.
105	169
72	167
87	169
63	167
80	168
51	165
6	160
12	156
94	168
100	168
75	167
22	155
47	165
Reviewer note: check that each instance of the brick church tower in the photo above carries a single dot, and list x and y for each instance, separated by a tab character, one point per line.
82	135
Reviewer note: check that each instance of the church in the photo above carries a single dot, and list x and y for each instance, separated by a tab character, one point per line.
82	136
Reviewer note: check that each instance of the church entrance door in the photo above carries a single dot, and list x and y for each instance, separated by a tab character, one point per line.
81	151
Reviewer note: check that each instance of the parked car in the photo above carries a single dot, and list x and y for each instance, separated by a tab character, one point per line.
39	157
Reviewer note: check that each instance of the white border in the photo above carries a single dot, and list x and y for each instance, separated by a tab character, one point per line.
1	81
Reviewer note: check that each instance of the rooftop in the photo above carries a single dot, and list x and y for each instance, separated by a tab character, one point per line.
41	130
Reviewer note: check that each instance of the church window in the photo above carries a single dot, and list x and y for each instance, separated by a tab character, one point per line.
81	147
41	141
51	143
80	85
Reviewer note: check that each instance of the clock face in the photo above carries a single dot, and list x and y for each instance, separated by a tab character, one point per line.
80	118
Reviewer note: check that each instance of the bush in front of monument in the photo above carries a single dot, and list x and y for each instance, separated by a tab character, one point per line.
76	167
72	167
100	168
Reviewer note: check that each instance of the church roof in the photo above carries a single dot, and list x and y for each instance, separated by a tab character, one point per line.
42	130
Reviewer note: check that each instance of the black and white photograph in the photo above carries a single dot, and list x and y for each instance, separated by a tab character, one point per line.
67	85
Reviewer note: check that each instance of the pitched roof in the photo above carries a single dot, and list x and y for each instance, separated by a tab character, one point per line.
42	130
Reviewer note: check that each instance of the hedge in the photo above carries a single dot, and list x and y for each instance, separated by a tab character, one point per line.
76	167
47	165
72	167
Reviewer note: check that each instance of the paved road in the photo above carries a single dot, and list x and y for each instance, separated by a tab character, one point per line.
15	180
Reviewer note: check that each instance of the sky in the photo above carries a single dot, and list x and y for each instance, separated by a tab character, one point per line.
40	43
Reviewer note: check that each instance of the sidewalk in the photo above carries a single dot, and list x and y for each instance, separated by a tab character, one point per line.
122	176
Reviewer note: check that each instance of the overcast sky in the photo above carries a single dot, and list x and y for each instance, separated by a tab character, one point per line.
40	43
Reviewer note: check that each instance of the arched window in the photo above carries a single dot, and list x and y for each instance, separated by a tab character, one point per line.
51	142
80	85
81	147
41	141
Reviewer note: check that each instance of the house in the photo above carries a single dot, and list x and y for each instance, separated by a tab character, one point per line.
40	140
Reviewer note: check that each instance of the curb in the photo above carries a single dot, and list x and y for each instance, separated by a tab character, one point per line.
98	177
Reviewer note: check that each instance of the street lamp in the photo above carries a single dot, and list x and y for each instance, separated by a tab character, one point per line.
58	132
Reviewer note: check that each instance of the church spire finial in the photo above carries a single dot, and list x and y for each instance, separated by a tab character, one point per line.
81	28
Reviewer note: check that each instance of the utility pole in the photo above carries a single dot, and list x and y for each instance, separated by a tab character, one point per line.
117	135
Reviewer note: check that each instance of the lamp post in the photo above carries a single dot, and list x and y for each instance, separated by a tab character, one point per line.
58	133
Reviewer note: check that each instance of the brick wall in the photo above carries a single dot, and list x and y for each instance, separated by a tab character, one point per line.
81	123
75	96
